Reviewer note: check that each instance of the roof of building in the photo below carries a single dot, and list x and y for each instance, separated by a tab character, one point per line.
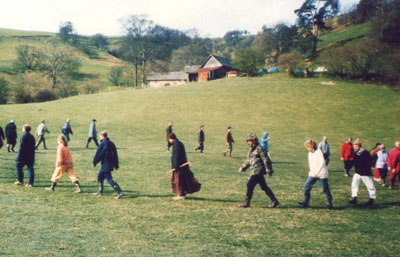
223	61
191	68
176	75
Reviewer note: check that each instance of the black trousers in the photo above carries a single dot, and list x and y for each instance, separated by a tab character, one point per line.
90	139
41	139
258	179
200	147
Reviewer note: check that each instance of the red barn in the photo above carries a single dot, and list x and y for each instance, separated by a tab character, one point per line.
214	67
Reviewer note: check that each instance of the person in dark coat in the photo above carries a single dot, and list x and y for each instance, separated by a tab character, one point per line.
11	135
26	156
66	129
362	166
182	180
2	137
107	154
168	131
200	138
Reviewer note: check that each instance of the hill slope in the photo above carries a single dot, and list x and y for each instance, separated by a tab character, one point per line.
148	222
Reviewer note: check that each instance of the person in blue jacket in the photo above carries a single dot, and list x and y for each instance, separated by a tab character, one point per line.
66	129
26	156
264	143
107	154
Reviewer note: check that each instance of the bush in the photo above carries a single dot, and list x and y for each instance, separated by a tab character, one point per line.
44	95
3	91
292	61
115	76
91	88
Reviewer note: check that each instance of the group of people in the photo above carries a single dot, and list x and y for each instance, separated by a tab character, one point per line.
106	154
183	182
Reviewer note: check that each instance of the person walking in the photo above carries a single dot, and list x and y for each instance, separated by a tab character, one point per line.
259	164
2	137
107	154
347	156
183	181
11	135
374	157
64	164
168	131
92	133
25	157
200	139
66	129
394	165
229	142
362	166
40	132
381	164
318	171
324	147
264	143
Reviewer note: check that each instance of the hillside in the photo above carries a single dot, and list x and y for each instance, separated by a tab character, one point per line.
148	222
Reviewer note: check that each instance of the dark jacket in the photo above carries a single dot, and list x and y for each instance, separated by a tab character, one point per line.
362	162
26	152
200	136
178	154
11	133
107	155
2	133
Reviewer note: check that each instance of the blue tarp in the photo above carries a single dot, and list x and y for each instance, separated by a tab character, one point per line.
273	70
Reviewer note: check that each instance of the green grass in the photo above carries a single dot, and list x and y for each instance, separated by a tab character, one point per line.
148	222
345	34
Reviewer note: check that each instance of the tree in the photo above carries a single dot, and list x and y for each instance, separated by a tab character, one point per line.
26	57
67	32
292	60
248	61
312	15
100	41
4	90
115	75
335	60
232	38
56	62
192	54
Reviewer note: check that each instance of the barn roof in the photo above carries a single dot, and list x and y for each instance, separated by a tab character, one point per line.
176	75
223	61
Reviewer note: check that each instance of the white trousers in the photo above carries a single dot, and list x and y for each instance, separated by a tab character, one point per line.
367	180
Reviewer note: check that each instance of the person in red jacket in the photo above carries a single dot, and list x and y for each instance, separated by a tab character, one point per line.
394	164
347	155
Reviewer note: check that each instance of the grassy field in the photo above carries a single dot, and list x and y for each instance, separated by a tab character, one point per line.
148	222
345	34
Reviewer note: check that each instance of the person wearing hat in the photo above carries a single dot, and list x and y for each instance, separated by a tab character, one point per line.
25	156
92	134
394	164
66	129
381	163
347	156
200	139
168	131
11	135
318	171
107	154
40	132
229	142
362	166
259	164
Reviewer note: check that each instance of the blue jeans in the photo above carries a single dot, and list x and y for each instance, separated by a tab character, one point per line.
20	174
105	175
310	183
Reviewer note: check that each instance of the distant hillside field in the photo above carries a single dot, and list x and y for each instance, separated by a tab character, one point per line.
148	222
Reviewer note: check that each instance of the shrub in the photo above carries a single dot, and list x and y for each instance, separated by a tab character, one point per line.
4	89
44	95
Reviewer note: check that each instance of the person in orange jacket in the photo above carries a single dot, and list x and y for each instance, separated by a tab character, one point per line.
64	164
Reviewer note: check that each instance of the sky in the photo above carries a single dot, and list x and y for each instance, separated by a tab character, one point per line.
212	18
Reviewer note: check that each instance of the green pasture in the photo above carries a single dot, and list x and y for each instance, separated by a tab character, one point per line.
148	222
343	35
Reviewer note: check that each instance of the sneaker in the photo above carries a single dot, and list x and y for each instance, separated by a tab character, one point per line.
118	196
347	174
29	185
383	184
49	188
17	183
390	187
178	197
98	193
274	204
78	190
303	203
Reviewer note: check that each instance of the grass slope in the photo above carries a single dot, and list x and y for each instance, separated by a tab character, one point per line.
148	222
